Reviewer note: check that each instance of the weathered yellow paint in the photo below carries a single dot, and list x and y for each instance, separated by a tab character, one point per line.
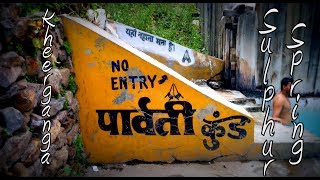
93	50
205	67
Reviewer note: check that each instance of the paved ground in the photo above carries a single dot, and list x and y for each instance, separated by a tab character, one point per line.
307	168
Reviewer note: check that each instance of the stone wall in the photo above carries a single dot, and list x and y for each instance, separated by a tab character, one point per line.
21	92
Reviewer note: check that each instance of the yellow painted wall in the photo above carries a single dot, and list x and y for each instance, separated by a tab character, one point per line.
92	56
200	70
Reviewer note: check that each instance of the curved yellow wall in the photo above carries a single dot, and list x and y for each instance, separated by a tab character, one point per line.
92	55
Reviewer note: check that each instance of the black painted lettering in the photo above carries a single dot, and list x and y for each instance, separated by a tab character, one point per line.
212	127
143	82
125	65
123	82
113	83
115	65
241	132
133	81
147	118
152	80
126	128
112	126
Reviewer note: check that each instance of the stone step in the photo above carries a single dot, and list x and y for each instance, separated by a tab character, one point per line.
252	108
243	101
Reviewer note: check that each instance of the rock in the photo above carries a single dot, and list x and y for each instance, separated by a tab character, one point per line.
39	58
10	68
26	99
61	116
71	152
13	149
61	139
195	22
20	170
68	124
51	169
75	106
36	121
72	134
6	94
11	12
21	28
11	119
55	106
22	84
11	59
13	89
32	153
68	64
62	55
52	150
59	159
26	119
213	84
60	38
55	80
39	89
69	97
62	155
36	169
65	73
55	129
7	30
98	17
54	57
32	66
9	75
